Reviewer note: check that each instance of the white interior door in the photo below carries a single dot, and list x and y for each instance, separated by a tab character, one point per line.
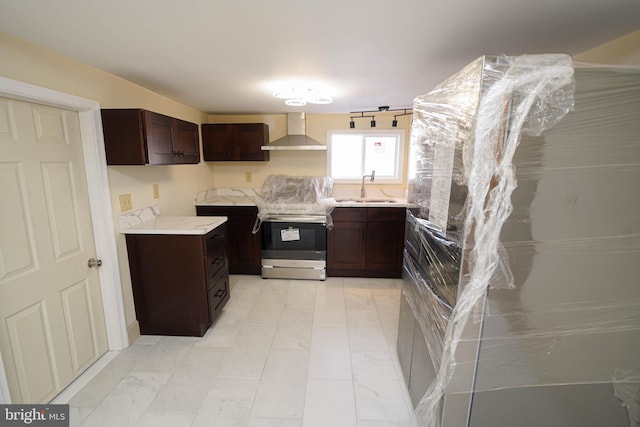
51	313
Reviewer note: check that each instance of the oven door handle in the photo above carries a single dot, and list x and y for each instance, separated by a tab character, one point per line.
316	219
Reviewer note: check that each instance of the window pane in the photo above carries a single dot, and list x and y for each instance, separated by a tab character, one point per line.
346	156
380	155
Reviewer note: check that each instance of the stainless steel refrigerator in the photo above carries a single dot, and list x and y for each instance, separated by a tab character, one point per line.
521	286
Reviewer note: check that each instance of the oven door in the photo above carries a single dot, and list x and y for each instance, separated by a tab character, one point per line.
294	247
295	238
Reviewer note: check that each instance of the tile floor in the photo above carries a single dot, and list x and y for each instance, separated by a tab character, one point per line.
283	353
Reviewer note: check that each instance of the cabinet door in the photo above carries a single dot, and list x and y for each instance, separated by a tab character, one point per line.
244	245
249	138
385	243
217	142
159	136
346	248
186	142
124	137
169	284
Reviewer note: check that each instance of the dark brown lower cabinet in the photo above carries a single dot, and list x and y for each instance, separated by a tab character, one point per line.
366	242
180	282
243	247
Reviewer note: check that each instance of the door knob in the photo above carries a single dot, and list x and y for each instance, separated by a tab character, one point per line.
94	263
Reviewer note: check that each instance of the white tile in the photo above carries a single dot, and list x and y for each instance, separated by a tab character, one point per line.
329	403
108	378
374	364
228	403
232	317
331	317
359	299
301	295
294	330
330	355
328	360
125	405
368	339
78	415
364	423
247	356
164	356
166	419
282	389
363	318
148	340
219	336
265	312
274	422
381	400
184	391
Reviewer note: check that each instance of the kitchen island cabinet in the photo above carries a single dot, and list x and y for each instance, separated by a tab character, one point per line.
243	247
180	281
235	142
366	242
141	137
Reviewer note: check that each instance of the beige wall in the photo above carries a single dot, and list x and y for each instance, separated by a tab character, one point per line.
622	51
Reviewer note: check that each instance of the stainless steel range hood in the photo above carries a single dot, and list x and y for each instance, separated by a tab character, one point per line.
296	138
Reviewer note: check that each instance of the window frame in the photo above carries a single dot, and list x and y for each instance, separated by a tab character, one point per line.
396	133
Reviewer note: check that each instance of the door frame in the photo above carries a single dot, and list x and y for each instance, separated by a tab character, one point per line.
99	203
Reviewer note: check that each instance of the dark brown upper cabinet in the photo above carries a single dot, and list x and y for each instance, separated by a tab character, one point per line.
141	137
235	142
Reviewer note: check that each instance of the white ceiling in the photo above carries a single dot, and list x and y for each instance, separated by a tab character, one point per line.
220	55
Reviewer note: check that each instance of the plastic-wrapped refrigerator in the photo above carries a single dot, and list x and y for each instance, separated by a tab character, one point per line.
521	286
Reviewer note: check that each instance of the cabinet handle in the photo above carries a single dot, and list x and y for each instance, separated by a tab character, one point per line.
219	293
217	261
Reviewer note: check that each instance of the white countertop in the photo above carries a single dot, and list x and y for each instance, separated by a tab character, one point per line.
149	221
197	225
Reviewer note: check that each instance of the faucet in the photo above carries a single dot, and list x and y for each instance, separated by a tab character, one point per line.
372	176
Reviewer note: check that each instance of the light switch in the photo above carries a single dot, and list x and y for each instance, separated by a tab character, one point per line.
125	202
156	191
248	176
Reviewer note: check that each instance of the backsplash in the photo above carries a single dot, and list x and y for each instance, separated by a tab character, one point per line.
139	216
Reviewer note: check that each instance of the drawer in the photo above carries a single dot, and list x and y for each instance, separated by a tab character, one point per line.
218	292
386	214
349	214
214	249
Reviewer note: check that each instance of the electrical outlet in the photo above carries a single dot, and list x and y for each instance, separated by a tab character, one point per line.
156	191
125	202
248	176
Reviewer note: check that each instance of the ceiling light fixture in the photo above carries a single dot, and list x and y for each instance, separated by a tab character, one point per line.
352	124
297	95
383	109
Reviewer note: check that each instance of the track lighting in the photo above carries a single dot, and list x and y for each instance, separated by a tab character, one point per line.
384	109
352	124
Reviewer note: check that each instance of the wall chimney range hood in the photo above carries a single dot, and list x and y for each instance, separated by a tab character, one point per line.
296	138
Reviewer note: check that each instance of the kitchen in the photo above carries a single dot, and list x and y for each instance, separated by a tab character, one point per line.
177	184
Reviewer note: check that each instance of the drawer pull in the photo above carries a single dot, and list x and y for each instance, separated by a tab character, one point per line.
217	261
219	293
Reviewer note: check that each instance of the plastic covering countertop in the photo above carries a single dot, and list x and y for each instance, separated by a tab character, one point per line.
295	195
480	227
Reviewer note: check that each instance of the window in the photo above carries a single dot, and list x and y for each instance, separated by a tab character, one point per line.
353	154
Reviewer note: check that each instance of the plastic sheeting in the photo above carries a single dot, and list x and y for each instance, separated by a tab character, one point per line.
295	195
546	263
